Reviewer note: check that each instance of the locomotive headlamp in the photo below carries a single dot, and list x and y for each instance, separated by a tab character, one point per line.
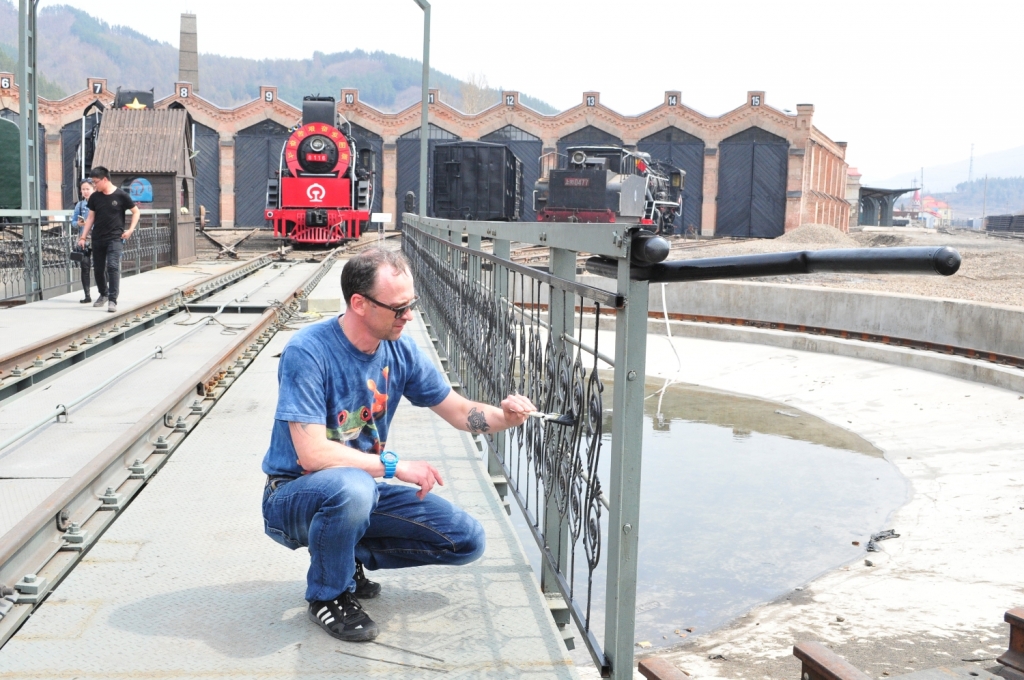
579	157
317	144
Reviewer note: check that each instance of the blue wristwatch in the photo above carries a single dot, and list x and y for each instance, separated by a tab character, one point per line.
390	460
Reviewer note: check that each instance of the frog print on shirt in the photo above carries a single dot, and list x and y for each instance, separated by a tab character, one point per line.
357	427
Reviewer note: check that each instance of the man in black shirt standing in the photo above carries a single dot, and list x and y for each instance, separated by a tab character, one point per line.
106	222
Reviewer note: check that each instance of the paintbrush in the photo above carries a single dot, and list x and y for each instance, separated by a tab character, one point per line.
556	418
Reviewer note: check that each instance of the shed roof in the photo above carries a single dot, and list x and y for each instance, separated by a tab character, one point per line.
148	140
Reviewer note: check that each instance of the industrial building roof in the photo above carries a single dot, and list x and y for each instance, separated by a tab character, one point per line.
148	140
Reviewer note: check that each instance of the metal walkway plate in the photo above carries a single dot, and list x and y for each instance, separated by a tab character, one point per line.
25	325
186	585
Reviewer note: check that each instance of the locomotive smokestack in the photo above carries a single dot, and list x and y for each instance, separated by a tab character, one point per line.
317	109
188	52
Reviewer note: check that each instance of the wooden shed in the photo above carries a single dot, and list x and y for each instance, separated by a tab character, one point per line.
148	153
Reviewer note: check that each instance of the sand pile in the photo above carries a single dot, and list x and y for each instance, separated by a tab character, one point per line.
818	234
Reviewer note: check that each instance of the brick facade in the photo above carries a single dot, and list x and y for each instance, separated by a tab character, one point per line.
816	177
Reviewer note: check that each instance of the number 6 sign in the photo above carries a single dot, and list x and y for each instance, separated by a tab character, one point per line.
5	83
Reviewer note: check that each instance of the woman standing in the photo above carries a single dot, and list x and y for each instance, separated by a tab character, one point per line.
78	219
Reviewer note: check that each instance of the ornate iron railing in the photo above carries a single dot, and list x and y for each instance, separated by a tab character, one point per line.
504	328
35	256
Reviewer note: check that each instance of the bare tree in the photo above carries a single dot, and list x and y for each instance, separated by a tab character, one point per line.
476	94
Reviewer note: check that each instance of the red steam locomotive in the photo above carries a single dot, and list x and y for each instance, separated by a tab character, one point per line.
324	187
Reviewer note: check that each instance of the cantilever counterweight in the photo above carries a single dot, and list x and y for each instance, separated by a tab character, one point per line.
944	261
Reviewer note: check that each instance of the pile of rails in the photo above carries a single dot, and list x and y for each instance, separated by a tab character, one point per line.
1005	223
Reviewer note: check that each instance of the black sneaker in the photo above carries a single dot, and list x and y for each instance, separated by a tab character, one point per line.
85	300
344	618
365	588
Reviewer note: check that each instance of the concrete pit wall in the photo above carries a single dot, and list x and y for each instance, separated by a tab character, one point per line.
985	328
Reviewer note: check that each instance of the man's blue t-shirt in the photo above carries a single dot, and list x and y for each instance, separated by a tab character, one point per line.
323	378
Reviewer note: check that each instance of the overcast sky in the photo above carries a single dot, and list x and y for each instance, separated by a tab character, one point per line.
907	83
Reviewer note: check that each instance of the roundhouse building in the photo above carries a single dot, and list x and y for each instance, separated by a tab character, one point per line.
754	171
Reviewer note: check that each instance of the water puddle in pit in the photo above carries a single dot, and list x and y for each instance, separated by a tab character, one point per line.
742	500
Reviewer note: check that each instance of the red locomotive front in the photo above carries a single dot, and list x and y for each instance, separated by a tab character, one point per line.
320	197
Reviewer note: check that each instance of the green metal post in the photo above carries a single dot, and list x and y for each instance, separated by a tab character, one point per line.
502	249
624	481
65	238
29	110
562	263
473	274
424	107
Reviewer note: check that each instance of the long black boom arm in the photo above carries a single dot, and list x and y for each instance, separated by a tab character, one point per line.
941	260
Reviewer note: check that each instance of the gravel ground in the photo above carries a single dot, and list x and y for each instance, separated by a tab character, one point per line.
992	269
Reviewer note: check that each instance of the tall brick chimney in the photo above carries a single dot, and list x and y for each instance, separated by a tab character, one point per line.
188	52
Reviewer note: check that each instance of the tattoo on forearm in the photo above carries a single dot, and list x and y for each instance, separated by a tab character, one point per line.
477	422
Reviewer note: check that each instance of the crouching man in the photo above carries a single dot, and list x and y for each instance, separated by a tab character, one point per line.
340	382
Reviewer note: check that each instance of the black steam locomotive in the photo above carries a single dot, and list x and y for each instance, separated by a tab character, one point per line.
599	184
605	184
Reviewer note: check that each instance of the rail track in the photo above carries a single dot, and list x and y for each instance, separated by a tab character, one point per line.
122	414
23	367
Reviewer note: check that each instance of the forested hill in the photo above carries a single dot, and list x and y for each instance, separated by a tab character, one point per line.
996	196
74	45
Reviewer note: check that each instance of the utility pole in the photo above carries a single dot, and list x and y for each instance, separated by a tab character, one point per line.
970	168
984	202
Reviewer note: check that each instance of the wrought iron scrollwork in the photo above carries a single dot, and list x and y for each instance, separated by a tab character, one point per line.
493	325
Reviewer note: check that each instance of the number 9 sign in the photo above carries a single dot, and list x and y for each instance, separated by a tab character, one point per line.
268	96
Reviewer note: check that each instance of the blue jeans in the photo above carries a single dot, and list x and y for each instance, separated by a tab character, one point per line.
343	515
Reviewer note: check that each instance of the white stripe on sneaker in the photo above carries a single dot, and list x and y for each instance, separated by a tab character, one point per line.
329	621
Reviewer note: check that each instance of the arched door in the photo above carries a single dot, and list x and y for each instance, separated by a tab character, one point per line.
408	152
207	192
588	136
14	117
527	149
752	185
257	160
684	151
10	166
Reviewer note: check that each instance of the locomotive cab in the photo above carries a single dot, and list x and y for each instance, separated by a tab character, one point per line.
323	189
604	184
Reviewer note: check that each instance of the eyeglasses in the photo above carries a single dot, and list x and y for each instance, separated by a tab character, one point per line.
399	311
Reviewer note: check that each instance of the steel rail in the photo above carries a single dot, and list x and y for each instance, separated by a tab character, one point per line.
49	541
158	352
862	336
24	366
